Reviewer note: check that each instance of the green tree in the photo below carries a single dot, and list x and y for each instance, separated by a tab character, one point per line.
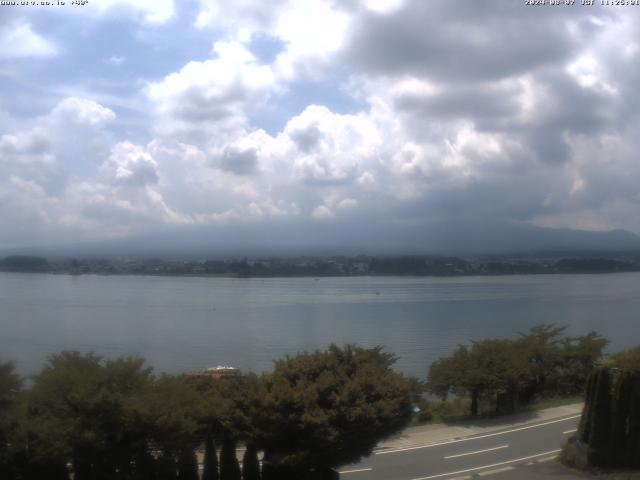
541	346
229	467
93	412
250	463
579	357
492	369
328	408
187	465
599	437
10	389
628	360
210	467
633	426
174	410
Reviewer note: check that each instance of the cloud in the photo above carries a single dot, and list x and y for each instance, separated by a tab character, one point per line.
323	213
311	32
115	60
18	40
331	148
369	112
155	12
455	41
210	98
83	111
238	160
130	164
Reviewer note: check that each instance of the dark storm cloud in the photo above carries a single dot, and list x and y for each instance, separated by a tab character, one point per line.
488	105
239	161
463	40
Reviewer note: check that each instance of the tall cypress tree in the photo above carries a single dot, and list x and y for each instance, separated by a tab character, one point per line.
250	463
587	412
187	465
145	466
598	453
210	471
166	467
229	467
633	432
623	389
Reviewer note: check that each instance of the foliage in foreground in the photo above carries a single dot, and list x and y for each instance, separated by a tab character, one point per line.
509	373
610	423
101	419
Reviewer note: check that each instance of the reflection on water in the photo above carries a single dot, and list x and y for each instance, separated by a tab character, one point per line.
180	323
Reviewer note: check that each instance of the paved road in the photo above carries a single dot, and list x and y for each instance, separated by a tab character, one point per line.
482	454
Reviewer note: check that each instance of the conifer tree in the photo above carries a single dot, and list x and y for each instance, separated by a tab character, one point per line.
229	467
623	388
584	430
598	453
250	464
187	465
210	471
633	432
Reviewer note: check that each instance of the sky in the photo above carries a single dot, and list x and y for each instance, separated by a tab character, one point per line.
137	117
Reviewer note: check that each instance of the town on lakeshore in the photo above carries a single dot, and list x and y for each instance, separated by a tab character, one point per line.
418	265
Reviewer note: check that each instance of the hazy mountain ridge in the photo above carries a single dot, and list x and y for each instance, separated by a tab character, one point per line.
443	238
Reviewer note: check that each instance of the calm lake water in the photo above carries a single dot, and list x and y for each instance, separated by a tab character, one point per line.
180	323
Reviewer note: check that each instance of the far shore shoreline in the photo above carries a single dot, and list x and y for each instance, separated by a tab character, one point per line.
319	276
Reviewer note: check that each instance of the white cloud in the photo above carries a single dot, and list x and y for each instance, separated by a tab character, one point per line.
312	31
348	203
82	111
130	164
115	60
155	11
331	148
19	40
322	212
210	98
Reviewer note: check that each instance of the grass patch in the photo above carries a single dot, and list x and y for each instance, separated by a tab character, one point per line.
457	409
552	402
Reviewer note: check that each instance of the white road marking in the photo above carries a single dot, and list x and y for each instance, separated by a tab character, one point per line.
515	460
356	471
569	431
495	470
479	451
477	437
546	459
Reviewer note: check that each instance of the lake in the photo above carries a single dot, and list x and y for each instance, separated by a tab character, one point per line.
185	323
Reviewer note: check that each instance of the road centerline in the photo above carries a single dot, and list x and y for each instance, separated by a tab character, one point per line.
359	470
478	437
515	460
476	452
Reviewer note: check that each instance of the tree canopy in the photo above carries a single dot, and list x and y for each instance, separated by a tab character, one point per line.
329	408
508	372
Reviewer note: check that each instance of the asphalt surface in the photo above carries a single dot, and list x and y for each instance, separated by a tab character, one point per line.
495	453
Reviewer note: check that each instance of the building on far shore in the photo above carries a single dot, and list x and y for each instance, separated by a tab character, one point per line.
215	373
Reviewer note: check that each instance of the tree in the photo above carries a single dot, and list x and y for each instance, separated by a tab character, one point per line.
10	389
493	369
187	465
599	437
328	408
229	467
210	467
579	357
628	360
250	464
541	347
92	412
174	409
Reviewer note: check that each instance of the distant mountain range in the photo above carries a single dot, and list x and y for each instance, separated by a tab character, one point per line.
332	238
